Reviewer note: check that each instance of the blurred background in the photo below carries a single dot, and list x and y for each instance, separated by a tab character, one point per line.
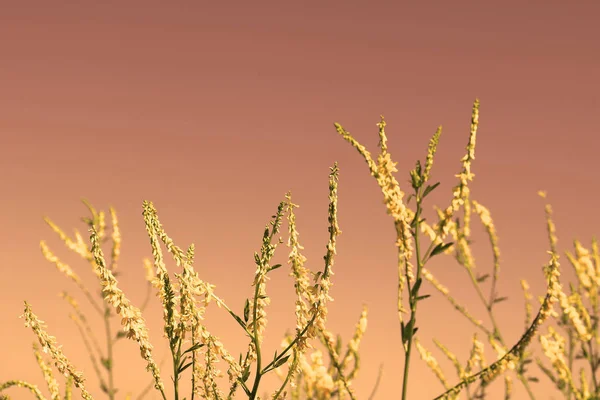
214	110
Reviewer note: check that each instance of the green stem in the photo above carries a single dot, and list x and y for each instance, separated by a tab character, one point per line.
258	352
525	383
176	356
193	365
109	354
412	299
592	359
287	378
570	358
496	330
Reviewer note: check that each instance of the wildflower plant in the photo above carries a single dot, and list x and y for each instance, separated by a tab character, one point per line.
184	300
409	224
576	336
300	363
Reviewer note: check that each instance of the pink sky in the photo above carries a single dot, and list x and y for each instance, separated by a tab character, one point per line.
214	111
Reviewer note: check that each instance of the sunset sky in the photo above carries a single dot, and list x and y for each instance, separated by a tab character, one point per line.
214	110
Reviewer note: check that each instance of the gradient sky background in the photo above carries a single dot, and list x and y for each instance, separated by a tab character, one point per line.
215	110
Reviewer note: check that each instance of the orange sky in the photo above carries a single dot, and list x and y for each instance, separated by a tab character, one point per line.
214	111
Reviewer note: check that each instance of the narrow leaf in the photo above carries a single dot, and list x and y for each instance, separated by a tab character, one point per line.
246	374
106	363
246	312
193	348
182	361
186	366
440	248
429	188
274	267
416	287
407	331
423	297
238	319
280	362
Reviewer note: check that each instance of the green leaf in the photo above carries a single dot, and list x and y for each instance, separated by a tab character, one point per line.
407	332
186	366
246	389
532	379
416	287
280	362
413	223
482	278
106	363
246	311
193	348
274	267
181	367
500	299
238	319
182	360
246	374
423	297
440	248
402	329
429	188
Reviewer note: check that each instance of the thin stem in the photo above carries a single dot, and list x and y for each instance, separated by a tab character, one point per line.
256	347
287	378
374	391
412	299
193	365
592	360
147	298
109	354
496	331
525	383
570	357
91	353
